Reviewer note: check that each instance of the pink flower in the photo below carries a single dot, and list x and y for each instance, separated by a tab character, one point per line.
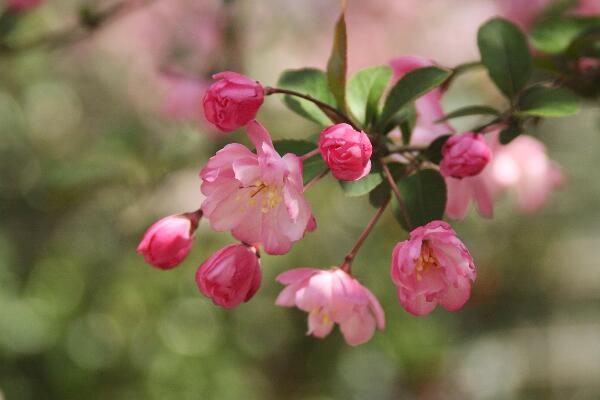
23	5
259	197
429	107
432	267
233	101
332	297
464	155
461	192
168	241
230	276
346	151
523	165
183	98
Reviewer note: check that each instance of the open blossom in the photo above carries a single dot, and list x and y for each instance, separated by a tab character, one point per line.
183	97
23	5
346	151
460	192
232	101
230	276
428	107
259	197
464	155
332	297
432	267
523	166
168	241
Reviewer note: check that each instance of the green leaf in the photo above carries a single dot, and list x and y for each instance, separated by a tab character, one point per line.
409	88
364	90
508	134
363	185
505	54
310	167
424	195
338	63
469	111
312	82
555	35
541	101
380	194
297	147
434	150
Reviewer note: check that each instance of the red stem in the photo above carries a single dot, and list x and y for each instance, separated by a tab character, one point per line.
347	265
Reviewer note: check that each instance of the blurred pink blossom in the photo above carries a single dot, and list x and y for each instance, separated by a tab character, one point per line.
332	297
231	276
259	197
432	267
184	97
23	5
523	167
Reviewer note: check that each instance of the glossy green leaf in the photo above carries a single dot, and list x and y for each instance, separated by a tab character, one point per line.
364	91
470	111
508	134
555	35
363	185
424	195
434	150
338	63
312	167
541	101
312	82
297	147
505	54
409	88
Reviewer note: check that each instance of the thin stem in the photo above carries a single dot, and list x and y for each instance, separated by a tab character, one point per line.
310	154
401	204
347	265
323	106
316	179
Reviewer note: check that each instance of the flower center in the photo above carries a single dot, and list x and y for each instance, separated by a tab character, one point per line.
426	261
267	196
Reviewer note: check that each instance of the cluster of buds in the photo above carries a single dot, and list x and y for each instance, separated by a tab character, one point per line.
258	196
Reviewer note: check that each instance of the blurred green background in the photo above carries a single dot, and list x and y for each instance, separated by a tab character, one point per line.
90	156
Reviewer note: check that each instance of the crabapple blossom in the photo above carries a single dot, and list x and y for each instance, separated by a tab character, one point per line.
460	193
231	276
332	297
428	107
258	197
232	101
168	241
464	155
432	267
346	151
23	5
524	167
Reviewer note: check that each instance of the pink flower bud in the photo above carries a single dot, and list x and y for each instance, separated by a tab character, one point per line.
346	151
432	267
23	5
230	276
464	155
167	242
233	101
